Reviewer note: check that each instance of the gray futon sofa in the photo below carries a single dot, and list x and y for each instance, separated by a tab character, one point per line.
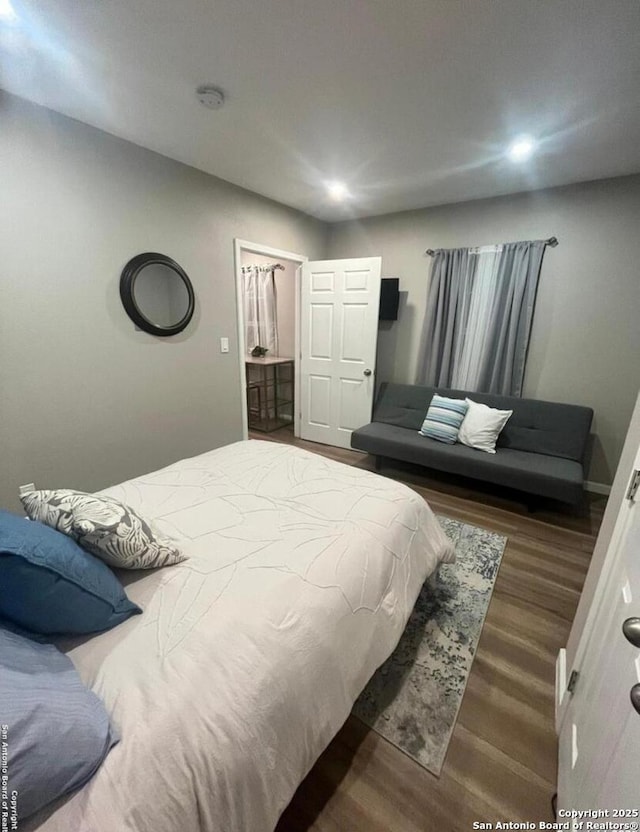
543	449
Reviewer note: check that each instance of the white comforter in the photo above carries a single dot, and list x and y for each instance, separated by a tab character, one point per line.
248	657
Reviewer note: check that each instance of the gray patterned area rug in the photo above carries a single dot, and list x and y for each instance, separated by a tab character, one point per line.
414	698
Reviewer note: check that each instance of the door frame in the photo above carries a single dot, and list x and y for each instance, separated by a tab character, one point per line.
240	246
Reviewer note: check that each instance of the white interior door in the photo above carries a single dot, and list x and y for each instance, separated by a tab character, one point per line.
599	753
338	335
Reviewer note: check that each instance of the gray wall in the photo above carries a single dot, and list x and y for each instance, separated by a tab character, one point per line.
85	399
585	344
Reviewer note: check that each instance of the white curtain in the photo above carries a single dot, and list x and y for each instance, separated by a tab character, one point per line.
260	316
472	349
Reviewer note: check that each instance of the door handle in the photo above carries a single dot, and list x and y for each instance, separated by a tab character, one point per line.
635	697
367	372
631	630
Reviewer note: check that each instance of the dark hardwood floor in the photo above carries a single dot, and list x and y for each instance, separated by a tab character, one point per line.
501	763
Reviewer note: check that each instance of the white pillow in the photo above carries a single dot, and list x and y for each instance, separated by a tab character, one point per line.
482	425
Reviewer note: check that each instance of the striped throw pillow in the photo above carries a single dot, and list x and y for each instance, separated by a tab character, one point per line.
443	419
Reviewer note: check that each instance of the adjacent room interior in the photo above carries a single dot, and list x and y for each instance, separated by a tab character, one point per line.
319	356
267	320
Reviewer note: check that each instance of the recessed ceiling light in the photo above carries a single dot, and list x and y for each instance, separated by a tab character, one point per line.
521	149
337	191
6	11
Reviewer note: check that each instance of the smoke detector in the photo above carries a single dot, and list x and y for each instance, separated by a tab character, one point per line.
210	97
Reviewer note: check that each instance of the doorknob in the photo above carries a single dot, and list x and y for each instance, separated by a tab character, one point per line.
367	372
631	630
635	697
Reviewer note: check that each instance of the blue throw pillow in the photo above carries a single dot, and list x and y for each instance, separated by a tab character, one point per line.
444	418
57	732
50	585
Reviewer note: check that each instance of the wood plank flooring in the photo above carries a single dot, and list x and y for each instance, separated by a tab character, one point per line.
501	763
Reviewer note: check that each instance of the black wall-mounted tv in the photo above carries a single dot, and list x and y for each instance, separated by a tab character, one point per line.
389	298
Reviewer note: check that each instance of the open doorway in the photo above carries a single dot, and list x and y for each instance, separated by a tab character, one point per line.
268	300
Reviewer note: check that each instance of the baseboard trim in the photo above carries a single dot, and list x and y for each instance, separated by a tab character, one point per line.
597	487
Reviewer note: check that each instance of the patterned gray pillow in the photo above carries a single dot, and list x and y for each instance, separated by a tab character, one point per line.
103	526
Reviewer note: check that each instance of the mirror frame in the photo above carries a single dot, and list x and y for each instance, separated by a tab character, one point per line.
127	294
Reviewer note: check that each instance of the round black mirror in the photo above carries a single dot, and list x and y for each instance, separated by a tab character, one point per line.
157	294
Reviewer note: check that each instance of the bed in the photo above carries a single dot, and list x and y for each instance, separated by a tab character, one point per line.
247	660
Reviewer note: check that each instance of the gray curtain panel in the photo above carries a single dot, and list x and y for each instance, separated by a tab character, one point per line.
479	315
447	311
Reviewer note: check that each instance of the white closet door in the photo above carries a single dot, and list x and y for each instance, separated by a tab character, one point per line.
599	749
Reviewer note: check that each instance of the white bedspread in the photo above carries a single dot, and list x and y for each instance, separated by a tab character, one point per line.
248	657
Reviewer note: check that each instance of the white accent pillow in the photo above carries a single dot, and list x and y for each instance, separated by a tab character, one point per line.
482	425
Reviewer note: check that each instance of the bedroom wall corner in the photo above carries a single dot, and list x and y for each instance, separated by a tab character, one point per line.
87	400
585	335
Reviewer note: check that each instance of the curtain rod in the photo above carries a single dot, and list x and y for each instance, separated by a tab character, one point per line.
552	241
264	268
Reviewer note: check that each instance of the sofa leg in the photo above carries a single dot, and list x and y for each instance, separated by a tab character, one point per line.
378	463
583	508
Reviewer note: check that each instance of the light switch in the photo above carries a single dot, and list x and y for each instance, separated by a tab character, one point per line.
224	345
24	489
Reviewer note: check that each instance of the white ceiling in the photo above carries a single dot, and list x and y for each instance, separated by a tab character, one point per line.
410	102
